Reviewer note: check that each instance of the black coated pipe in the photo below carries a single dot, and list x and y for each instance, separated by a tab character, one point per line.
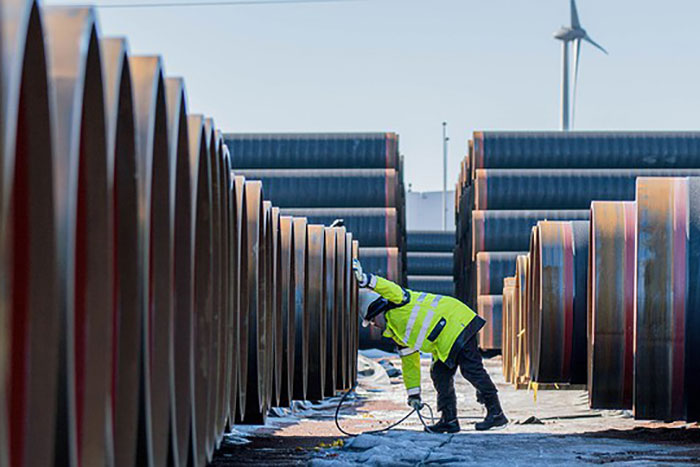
373	227
313	150
436	241
586	150
429	264
439	285
560	189
328	188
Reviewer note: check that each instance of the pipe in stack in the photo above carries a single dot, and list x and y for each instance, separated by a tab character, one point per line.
356	177
603	299
150	296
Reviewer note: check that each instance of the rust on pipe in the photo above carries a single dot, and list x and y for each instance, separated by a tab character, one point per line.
200	177
662	291
301	317
612	296
559	302
316	311
276	312
30	307
241	343
286	297
84	227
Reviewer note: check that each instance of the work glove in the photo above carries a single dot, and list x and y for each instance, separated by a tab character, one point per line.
415	402
362	279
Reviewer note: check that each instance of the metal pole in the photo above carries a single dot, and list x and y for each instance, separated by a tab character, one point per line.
445	139
565	111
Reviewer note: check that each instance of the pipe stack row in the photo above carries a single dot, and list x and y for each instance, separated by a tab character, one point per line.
150	298
512	180
622	317
430	261
356	177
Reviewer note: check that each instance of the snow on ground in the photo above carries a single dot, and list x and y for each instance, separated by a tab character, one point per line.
569	432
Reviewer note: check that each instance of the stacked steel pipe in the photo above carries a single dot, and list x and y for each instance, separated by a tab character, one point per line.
608	302
150	297
430	261
511	180
356	177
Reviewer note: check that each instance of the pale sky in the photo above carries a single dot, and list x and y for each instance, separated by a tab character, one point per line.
408	65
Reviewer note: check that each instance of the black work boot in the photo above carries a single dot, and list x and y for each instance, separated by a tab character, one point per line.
444	426
494	415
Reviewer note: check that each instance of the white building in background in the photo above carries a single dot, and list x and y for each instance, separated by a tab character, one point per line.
424	210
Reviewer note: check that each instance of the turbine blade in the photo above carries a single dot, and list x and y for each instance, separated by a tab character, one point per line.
577	60
595	44
575	23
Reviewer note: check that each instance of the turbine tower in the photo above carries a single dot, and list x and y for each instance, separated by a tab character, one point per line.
567	35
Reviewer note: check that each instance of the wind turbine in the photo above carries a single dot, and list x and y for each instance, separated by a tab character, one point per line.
573	34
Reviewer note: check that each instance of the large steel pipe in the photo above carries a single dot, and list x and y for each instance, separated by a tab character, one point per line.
286	303
156	203
200	183
560	189
429	264
507	330
439	285
224	367
213	149
491	269
316	311
314	150
558	302
241	342
269	333
276	312
331	292
329	188
355	315
510	230
426	240
126	322
632	150
611	272
301	303
84	225
238	218
350	321
341	318
385	262
180	351
667	334
29	225
520	320
491	309
373	227
253	319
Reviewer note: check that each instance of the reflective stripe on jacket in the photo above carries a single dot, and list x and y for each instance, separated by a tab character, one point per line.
425	322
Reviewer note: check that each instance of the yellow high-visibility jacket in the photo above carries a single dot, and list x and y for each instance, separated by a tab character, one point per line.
425	322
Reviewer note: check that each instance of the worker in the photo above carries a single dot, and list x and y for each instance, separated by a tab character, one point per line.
441	326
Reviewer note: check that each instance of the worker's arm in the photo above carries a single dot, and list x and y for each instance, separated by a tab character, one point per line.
387	289
410	365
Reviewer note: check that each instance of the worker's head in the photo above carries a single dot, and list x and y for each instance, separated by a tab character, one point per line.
372	308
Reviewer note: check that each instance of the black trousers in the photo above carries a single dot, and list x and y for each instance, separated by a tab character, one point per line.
472	368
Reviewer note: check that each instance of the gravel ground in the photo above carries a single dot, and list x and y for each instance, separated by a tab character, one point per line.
569	431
